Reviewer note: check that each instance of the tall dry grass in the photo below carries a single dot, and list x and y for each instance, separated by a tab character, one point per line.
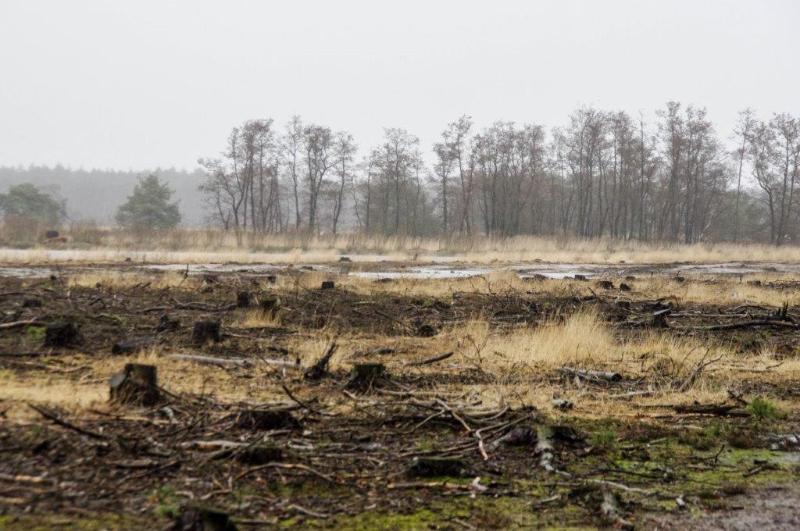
202	246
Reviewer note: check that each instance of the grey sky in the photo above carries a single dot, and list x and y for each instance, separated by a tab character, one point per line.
138	84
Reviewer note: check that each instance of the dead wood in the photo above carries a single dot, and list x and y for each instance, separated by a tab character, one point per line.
224	363
429	467
17	324
595	376
363	376
65	334
429	361
320	368
52	416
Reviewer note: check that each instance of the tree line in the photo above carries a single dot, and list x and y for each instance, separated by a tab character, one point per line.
603	174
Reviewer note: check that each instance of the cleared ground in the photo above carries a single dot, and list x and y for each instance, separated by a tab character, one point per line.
632	398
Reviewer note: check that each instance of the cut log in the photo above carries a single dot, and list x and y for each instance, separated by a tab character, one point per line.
133	345
64	334
431	467
135	385
364	376
196	518
205	331
266	419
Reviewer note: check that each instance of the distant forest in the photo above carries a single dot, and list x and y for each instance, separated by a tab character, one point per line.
96	194
602	174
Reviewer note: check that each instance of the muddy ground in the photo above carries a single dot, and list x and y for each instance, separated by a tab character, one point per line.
273	440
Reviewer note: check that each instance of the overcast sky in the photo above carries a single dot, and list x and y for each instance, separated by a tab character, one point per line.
138	84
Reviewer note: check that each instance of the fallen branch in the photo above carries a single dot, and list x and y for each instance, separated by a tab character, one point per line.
208	360
429	361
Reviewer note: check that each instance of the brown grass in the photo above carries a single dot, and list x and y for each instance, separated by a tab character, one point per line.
203	246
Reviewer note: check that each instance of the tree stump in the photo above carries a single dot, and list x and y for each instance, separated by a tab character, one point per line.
660	318
624	287
364	376
196	518
580	277
259	454
266	419
431	467
64	334
327	284
272	279
136	384
345	259
243	299
605	284
205	331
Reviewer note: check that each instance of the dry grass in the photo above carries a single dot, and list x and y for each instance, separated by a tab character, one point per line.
121	279
205	246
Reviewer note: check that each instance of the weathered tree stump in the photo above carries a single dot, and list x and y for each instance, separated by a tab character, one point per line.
624	287
605	284
431	467
580	277
364	376
271	279
65	334
136	384
266	419
660	318
345	259
327	284
630	278
196	518
166	323
51	234
205	331
243	299
133	345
